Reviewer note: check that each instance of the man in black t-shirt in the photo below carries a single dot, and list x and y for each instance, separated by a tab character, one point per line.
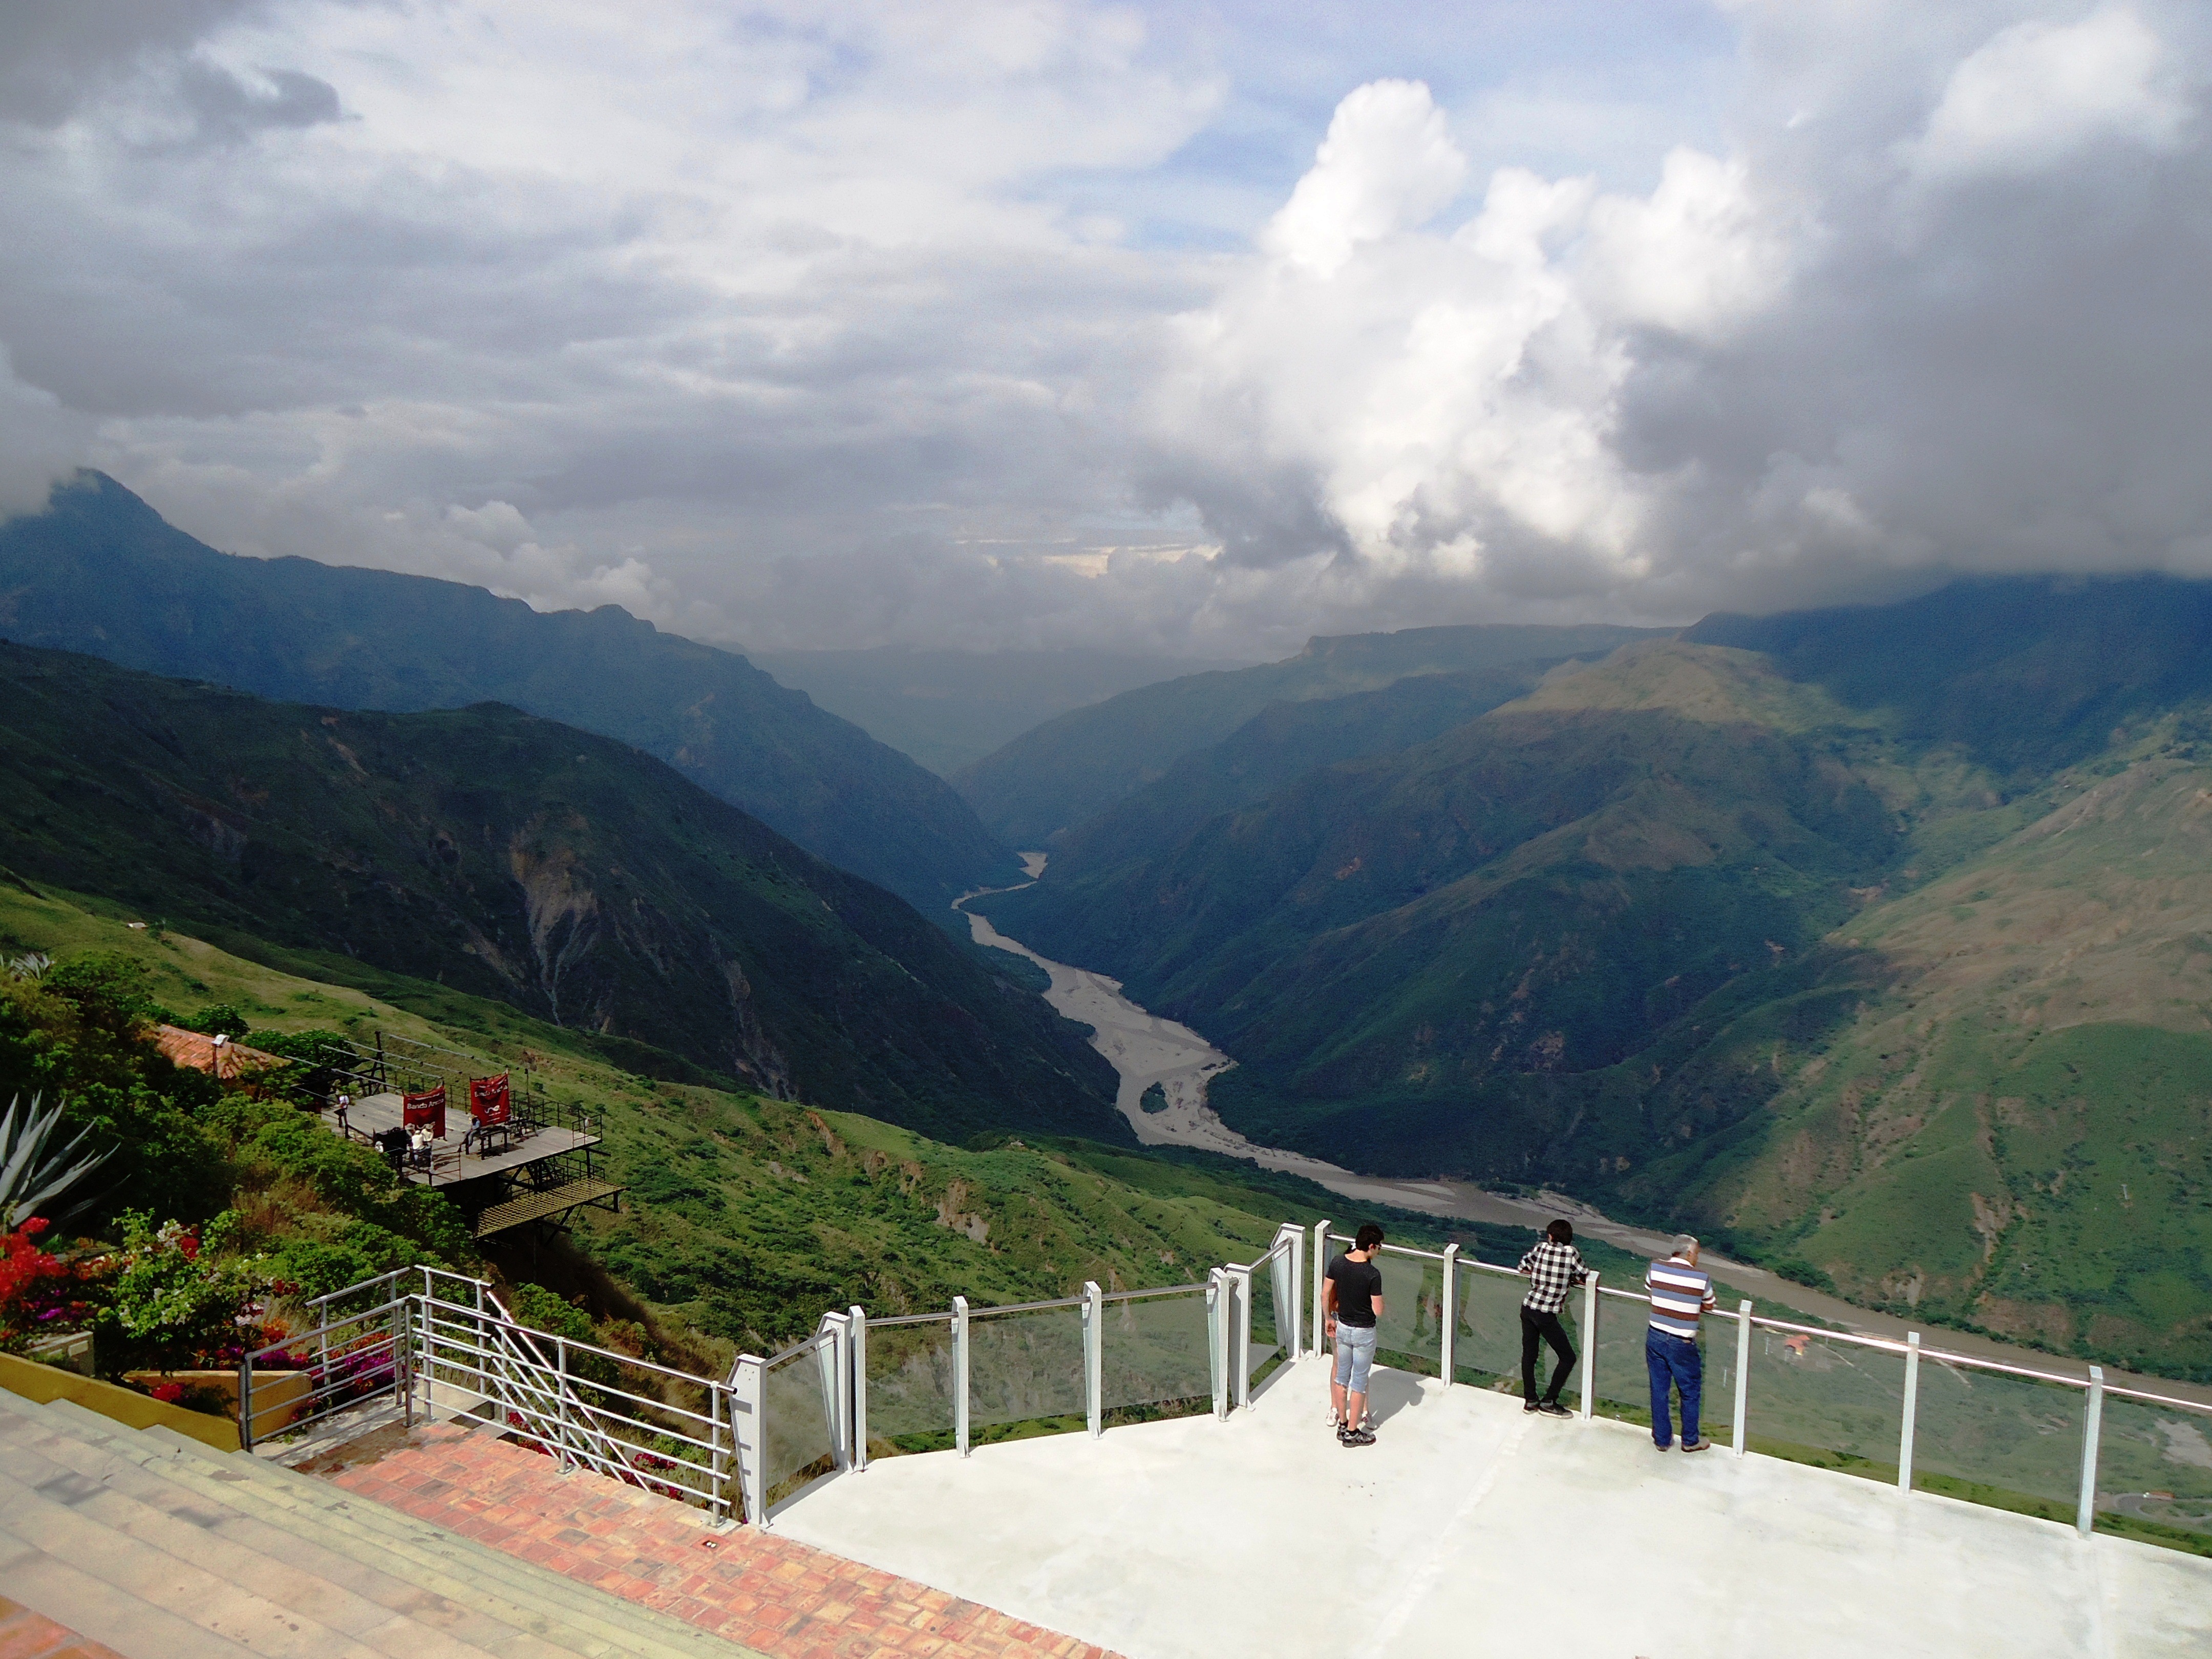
1351	1301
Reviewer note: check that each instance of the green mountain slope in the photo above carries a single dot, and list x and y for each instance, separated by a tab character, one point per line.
2025	673
1541	890
511	857
2014	1127
949	708
1276	747
745	1217
1071	768
99	572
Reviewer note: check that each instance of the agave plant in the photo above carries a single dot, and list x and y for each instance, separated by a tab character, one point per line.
29	967
32	1172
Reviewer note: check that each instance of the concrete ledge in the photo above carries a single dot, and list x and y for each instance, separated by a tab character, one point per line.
42	1383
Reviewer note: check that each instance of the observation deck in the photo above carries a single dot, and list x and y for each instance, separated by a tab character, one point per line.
1471	1526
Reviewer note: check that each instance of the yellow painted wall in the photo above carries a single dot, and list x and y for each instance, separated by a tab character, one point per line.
44	1383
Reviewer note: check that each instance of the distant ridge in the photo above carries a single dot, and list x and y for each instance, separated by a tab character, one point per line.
1057	774
101	572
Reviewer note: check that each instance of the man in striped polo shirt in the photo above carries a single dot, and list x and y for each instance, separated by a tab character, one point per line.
1680	1292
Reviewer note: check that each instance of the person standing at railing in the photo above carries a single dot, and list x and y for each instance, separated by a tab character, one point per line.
1680	1292
1352	1306
1555	1267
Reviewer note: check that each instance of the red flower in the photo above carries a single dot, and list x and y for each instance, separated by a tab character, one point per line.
167	1393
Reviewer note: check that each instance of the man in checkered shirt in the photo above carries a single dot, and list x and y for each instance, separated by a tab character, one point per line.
1554	1267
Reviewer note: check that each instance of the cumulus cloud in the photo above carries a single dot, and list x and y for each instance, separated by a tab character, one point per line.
1044	321
2039	90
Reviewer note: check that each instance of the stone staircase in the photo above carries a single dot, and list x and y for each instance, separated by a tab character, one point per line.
159	1547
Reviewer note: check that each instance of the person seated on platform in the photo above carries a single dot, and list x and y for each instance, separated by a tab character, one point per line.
422	1145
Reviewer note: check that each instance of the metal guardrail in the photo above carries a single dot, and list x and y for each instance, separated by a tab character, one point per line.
741	1446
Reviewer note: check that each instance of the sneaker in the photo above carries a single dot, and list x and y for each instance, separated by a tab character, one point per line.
1532	1405
1344	1436
1697	1445
1553	1408
1663	1445
1360	1438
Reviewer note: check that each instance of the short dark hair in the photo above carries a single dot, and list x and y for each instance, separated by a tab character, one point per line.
1561	1232
1369	1237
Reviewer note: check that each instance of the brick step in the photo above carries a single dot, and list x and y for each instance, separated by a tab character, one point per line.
774	1593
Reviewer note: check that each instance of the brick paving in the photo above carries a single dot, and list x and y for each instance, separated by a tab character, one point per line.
785	1599
27	1634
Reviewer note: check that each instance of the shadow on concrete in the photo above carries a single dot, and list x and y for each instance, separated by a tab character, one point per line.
1390	1392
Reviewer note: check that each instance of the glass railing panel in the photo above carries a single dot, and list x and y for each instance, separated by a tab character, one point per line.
796	1444
1156	1357
1409	1334
1486	1348
2014	1442
1820	1400
910	1388
1266	1352
1026	1366
1621	1376
2155	1473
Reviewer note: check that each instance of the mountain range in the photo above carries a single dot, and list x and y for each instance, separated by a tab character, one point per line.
509	857
948	709
1872	942
99	571
1072	767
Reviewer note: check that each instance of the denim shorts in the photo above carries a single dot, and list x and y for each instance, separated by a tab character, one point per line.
1355	1352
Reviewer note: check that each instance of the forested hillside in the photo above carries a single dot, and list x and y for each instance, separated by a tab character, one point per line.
514	858
1872	941
99	572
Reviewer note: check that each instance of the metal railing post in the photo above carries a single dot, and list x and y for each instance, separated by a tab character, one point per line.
245	1401
859	1328
718	1465
1240	1335
960	1373
1320	1267
561	1371
1094	1355
1742	1373
1288	1284
1911	1411
1589	1346
1448	1317
748	1428
2092	1423
1216	1340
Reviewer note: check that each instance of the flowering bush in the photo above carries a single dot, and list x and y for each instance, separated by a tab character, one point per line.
39	1292
174	1303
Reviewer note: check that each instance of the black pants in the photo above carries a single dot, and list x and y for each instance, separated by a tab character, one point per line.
1538	1327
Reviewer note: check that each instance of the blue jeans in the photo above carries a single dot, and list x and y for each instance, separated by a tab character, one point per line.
1355	1352
1675	1364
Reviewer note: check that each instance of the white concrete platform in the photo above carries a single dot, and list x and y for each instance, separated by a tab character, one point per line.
1473	1528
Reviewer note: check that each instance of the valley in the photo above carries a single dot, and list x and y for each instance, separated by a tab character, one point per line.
1148	1052
1898	1000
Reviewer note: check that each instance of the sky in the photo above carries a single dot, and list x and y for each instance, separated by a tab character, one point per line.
1187	328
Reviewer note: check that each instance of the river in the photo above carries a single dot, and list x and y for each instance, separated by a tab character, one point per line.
1145	1049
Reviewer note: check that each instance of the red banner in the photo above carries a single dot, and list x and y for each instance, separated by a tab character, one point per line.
429	1107
488	1098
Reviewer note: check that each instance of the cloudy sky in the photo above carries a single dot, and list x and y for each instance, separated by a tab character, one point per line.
1192	328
